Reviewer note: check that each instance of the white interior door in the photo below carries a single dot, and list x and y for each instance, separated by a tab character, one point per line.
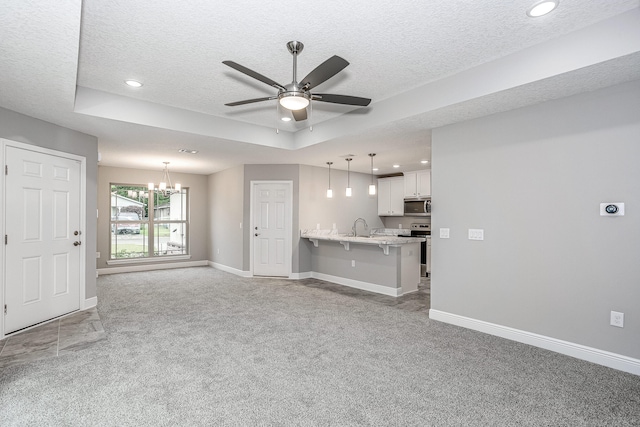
42	213
271	233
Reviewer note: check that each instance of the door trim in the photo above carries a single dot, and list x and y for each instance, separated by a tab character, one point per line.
289	225
83	217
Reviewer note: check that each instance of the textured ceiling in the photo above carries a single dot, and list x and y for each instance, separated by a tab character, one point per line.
423	64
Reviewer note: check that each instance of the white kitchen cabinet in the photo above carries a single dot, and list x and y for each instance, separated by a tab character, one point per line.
417	184
390	196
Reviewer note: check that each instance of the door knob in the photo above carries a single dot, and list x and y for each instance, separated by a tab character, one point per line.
77	243
75	233
257	234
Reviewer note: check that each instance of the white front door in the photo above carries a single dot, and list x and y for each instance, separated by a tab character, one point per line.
271	232
42	264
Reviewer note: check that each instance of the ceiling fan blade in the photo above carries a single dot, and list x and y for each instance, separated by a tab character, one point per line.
324	72
299	115
341	99
253	74
249	101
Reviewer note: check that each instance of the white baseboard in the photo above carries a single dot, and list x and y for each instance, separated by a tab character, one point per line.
590	354
231	270
299	276
90	303
150	267
365	286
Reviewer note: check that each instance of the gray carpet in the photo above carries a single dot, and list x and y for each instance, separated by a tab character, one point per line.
196	347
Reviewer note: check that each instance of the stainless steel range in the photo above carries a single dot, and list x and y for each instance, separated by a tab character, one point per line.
423	230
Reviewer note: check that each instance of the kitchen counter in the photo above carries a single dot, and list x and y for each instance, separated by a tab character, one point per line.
382	240
358	262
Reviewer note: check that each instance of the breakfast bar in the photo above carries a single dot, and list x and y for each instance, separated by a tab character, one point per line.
385	264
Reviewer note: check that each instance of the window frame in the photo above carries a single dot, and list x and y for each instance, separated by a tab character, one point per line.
153	246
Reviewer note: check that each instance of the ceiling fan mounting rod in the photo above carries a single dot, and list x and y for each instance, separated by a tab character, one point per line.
295	48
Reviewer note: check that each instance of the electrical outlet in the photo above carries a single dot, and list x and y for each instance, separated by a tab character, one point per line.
617	319
476	234
97	254
353	263
444	233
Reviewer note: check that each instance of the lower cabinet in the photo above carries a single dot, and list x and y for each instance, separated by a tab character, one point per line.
391	196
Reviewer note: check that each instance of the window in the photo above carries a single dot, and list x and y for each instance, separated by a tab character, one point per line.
148	223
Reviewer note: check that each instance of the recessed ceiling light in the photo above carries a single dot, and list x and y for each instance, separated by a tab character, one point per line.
187	150
396	166
374	169
424	162
133	83
542	8
286	119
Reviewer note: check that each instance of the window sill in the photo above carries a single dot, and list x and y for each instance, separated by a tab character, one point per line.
157	259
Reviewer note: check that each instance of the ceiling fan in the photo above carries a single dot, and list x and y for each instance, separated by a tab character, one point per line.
296	96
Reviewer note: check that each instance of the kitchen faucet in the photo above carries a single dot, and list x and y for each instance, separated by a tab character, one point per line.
355	226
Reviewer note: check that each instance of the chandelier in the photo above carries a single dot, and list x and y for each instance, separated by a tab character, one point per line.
165	185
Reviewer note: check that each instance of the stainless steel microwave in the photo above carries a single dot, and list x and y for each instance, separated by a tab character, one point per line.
417	207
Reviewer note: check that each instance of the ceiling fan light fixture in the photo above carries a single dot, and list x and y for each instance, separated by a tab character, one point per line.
294	100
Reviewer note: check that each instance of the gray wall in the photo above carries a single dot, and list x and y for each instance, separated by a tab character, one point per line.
25	129
198	193
340	210
372	265
225	213
533	179
230	203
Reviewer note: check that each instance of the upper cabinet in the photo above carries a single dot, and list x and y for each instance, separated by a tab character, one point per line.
390	198
417	184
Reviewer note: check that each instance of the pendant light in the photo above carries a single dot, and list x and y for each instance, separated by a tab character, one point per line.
372	186
162	186
348	191
329	190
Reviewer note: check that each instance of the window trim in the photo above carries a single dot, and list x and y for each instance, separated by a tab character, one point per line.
151	223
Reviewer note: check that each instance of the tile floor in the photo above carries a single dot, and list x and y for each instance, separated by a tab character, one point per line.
84	329
62	336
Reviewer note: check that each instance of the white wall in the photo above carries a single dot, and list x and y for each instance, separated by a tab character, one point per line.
533	179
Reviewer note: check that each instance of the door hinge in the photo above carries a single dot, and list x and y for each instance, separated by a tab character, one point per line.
6	169
5	309
6	239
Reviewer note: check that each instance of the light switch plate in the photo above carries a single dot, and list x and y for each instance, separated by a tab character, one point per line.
476	234
444	233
